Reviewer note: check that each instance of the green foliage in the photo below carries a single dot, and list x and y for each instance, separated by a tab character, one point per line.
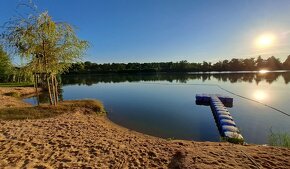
48	47
6	67
170	139
233	140
94	105
281	139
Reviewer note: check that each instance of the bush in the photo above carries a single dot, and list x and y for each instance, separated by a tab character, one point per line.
281	139
233	140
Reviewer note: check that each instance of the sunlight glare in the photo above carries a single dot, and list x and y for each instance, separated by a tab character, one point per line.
260	95
263	71
265	40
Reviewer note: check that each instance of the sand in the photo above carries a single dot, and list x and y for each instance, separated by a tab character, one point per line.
82	139
7	101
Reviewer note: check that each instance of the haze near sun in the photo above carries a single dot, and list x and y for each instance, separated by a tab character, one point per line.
265	40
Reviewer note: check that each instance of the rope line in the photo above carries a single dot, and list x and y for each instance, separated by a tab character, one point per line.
216	85
269	106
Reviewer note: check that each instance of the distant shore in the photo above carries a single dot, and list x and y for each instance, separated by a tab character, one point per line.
80	138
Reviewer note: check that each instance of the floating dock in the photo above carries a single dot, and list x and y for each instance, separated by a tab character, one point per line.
205	99
225	122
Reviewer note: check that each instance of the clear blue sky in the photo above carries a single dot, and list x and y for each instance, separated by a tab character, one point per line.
171	30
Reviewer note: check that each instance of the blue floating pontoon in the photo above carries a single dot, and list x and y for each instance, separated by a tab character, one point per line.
224	120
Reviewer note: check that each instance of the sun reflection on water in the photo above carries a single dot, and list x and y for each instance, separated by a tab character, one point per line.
263	71
260	95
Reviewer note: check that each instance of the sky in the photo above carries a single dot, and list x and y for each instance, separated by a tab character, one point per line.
170	30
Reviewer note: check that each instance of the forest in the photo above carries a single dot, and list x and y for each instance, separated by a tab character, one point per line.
249	64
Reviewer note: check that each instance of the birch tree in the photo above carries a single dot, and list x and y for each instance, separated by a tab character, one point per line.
48	47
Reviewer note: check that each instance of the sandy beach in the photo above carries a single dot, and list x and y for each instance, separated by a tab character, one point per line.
83	139
8	101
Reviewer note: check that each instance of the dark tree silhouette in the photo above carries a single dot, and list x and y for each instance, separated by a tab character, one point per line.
249	64
286	64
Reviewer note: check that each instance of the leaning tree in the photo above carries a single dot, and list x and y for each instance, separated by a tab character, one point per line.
48	48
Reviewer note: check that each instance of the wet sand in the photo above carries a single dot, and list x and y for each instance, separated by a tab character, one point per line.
82	139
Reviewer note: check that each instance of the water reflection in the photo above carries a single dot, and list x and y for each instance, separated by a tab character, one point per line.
43	97
177	77
263	71
168	110
260	95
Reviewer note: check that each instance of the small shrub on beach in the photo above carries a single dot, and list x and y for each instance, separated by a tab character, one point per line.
233	140
94	105
281	139
170	139
12	94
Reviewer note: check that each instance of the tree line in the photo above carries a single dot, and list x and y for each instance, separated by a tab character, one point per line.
10	73
249	64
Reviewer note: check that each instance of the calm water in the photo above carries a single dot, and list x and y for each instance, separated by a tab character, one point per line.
163	105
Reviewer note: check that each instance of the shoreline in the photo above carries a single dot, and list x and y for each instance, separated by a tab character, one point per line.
8	101
80	138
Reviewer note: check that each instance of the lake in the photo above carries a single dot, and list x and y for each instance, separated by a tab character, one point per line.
163	105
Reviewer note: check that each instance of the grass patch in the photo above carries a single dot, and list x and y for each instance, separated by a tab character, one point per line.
46	111
29	113
94	105
280	139
24	84
170	138
233	140
12	94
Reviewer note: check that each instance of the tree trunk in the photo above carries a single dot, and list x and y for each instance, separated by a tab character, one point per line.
49	90
56	89
53	90
36	88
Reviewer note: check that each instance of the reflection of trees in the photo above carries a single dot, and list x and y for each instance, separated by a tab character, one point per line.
269	77
249	78
249	64
205	77
258	79
91	79
286	77
44	96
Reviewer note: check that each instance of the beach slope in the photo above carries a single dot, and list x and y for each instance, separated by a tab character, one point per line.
80	138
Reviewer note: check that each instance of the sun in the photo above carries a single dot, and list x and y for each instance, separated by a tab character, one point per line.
265	40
